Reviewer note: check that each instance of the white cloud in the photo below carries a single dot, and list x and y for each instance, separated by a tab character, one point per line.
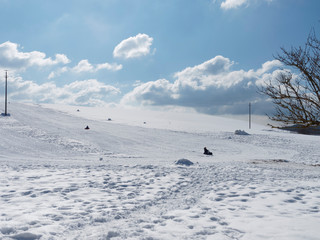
61	58
229	4
85	66
58	72
267	66
133	47
109	66
200	76
232	4
88	92
210	87
12	58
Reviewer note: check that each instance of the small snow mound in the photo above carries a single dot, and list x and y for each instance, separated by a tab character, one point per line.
112	234
100	220
7	230
185	162
26	236
241	132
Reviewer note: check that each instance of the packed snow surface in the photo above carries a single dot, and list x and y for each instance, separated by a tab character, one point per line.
119	179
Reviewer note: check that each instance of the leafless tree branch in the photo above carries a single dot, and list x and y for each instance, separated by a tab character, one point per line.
296	93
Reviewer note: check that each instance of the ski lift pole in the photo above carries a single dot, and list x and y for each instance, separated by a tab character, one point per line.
6	96
249	115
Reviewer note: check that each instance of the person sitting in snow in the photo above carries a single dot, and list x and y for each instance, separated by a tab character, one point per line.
206	151
87	128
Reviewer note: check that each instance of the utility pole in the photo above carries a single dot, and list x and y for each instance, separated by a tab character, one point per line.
6	96
249	115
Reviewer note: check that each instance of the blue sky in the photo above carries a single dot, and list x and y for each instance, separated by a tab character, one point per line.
208	55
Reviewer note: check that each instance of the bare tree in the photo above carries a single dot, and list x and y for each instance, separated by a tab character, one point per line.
296	91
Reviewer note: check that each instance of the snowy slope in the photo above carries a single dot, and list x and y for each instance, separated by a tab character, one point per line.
118	180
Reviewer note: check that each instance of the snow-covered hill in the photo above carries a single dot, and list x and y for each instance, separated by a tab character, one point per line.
119	179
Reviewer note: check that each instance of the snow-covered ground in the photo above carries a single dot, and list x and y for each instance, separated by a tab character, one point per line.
119	179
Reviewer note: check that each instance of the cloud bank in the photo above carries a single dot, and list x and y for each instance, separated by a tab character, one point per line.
12	58
133	47
88	92
211	87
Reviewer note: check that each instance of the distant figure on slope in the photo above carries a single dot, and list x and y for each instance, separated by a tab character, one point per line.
206	151
87	128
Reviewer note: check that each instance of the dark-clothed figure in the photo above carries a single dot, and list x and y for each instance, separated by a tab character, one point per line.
206	151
